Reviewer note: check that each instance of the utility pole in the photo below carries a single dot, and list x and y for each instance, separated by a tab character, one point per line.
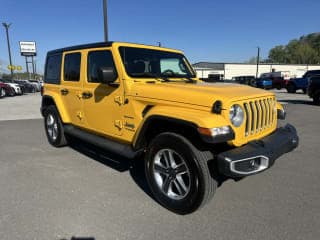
6	26
105	17
258	60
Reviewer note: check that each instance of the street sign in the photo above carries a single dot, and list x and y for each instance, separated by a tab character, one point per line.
28	48
11	67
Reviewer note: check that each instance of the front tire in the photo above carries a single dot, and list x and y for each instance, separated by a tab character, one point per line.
178	173
54	127
291	88
2	93
316	99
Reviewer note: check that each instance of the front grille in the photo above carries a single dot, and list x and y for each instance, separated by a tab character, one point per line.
260	115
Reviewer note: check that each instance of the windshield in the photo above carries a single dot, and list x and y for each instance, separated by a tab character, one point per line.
148	63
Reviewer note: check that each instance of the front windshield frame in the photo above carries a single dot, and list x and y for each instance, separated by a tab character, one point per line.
152	60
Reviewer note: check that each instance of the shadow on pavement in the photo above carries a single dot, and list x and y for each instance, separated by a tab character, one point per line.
134	166
115	161
79	238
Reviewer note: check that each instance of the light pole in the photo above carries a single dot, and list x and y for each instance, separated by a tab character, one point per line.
105	17
258	59
6	26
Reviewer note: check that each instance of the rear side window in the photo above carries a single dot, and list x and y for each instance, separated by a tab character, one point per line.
96	60
315	78
52	71
72	63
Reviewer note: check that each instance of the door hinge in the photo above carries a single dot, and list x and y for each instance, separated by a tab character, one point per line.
118	99
118	124
80	115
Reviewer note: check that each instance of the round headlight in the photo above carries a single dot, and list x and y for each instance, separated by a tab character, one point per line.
236	115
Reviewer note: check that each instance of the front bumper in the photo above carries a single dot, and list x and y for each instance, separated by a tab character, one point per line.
259	155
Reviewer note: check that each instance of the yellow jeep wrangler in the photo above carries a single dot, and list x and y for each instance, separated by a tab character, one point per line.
146	102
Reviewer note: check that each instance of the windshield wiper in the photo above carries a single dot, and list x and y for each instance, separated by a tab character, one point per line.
147	74
190	80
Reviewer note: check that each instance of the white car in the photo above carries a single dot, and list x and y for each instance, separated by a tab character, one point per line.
36	84
16	88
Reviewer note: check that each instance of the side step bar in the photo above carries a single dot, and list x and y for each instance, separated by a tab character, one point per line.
105	143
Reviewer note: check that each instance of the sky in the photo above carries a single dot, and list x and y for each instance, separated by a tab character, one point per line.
206	30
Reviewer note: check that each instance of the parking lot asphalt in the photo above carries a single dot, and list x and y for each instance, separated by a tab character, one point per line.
81	191
26	106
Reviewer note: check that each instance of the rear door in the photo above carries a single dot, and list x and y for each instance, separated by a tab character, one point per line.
71	86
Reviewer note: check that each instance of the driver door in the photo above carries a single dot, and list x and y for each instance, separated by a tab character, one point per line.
102	102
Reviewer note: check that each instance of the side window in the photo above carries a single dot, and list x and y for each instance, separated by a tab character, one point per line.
96	60
52	71
72	63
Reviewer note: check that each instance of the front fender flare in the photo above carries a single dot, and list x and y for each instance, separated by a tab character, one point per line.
192	118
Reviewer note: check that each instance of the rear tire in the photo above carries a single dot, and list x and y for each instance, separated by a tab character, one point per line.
316	99
178	174
2	93
54	127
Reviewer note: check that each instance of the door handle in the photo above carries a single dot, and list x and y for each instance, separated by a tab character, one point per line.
86	95
64	91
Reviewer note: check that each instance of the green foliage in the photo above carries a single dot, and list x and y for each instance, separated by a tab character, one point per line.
252	60
23	75
305	50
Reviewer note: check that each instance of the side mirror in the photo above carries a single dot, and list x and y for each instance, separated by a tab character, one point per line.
106	75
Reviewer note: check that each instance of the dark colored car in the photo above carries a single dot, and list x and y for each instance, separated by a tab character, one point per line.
27	86
278	82
247	80
6	90
264	83
301	83
314	89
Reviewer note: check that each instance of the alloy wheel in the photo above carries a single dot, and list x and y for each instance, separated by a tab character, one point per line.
171	174
52	127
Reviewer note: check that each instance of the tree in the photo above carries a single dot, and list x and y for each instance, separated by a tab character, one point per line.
252	60
278	54
305	50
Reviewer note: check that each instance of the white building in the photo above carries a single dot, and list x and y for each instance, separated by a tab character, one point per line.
209	70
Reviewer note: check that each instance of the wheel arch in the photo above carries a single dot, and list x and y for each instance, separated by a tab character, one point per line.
49	101
157	124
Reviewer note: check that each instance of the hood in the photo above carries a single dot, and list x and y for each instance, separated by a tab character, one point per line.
13	85
201	93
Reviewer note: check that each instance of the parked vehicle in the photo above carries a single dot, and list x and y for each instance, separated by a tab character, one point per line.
314	89
301	83
16	87
247	80
264	83
6	90
28	87
279	79
36	84
145	102
22	87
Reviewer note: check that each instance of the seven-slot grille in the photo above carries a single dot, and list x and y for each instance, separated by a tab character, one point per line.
260	115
